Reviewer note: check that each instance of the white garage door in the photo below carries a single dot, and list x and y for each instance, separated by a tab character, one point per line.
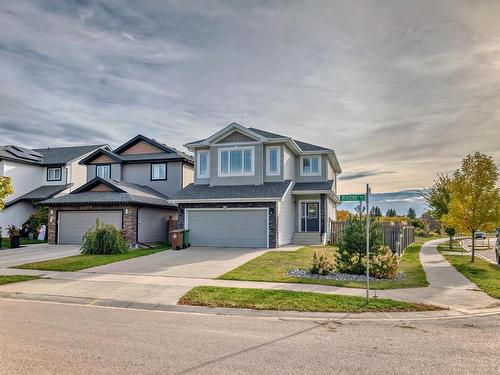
227	227
74	224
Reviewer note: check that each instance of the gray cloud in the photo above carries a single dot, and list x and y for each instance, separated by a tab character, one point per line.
362	174
402	86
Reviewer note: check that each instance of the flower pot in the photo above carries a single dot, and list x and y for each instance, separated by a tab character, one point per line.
15	241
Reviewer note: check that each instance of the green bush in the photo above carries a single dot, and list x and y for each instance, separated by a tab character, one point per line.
103	239
384	264
321	265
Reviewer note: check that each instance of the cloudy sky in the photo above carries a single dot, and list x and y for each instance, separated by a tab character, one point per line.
400	89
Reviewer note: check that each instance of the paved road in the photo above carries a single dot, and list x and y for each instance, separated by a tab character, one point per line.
47	338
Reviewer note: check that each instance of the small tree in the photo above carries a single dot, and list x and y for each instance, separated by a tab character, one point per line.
342	215
352	245
411	214
475	199
391	212
5	190
438	196
375	211
450	232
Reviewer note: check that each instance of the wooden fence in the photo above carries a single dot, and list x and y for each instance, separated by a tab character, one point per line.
397	236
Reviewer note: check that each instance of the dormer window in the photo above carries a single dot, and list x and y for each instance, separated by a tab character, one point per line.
236	161
103	171
273	161
54	174
203	163
311	166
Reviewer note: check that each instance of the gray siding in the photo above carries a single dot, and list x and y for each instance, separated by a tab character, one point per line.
227	227
256	179
153	224
236	137
140	174
322	177
289	162
91	171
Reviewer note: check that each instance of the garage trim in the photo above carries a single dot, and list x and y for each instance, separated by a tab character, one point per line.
186	216
91	209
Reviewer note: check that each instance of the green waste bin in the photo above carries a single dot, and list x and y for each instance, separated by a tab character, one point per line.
186	238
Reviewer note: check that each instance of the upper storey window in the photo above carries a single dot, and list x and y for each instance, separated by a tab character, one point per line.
236	161
311	166
158	171
54	174
273	161
203	164
103	171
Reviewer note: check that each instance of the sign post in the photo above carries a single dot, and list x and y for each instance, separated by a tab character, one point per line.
367	242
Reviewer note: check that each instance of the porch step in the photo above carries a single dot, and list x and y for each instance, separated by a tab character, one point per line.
305	238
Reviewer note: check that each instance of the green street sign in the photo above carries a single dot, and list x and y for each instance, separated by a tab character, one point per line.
352	198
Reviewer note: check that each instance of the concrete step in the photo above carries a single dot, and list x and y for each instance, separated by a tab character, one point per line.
305	238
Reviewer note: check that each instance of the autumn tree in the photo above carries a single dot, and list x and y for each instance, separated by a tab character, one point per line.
343	215
5	189
475	198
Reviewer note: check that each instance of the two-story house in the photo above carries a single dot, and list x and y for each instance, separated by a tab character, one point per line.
37	175
253	188
128	187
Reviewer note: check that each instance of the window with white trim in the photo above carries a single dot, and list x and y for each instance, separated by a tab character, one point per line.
54	174
203	164
103	171
236	161
158	171
311	165
273	161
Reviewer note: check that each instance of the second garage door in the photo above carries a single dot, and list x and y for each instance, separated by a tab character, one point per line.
227	227
74	224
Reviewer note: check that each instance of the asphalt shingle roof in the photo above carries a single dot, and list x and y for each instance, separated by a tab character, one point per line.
271	190
306	186
62	155
126	193
40	193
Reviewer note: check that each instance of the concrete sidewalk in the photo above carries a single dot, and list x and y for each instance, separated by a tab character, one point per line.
448	287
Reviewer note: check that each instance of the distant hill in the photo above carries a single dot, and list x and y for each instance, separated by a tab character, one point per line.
401	201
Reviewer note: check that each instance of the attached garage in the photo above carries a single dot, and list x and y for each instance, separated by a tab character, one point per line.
72	225
228	227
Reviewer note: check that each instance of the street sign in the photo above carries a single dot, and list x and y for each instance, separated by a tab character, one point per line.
352	198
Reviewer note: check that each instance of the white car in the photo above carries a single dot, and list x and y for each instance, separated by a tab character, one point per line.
480	235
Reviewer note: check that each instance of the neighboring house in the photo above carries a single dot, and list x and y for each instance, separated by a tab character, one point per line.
253	188
128	187
37	175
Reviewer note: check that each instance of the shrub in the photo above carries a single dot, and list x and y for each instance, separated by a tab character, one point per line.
40	218
321	265
352	245
13	231
103	239
384	264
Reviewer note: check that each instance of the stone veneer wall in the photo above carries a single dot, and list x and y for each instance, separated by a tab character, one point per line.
322	213
273	217
129	220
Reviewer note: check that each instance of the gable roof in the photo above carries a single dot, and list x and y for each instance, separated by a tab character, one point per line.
39	194
46	156
138	138
98	153
122	193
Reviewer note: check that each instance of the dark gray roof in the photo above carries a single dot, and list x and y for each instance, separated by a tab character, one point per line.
271	190
157	156
307	186
309	147
39	194
125	193
62	155
266	134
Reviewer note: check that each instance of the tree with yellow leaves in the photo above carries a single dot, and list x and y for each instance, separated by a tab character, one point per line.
475	197
5	189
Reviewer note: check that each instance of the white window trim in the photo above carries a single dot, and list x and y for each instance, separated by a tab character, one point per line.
198	171
49	179
242	173
310	157
268	161
101	166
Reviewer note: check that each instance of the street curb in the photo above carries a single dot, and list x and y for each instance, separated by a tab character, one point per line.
269	314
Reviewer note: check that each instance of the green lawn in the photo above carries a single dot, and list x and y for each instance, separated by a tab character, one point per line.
6	279
485	275
261	299
455	246
80	262
274	265
24	241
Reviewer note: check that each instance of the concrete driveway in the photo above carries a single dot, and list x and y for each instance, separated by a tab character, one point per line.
35	253
197	262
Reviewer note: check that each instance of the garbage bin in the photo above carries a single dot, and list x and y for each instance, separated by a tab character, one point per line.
186	238
177	239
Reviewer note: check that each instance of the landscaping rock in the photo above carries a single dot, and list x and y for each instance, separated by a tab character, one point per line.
335	276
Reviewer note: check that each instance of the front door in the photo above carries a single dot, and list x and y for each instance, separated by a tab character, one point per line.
309	217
